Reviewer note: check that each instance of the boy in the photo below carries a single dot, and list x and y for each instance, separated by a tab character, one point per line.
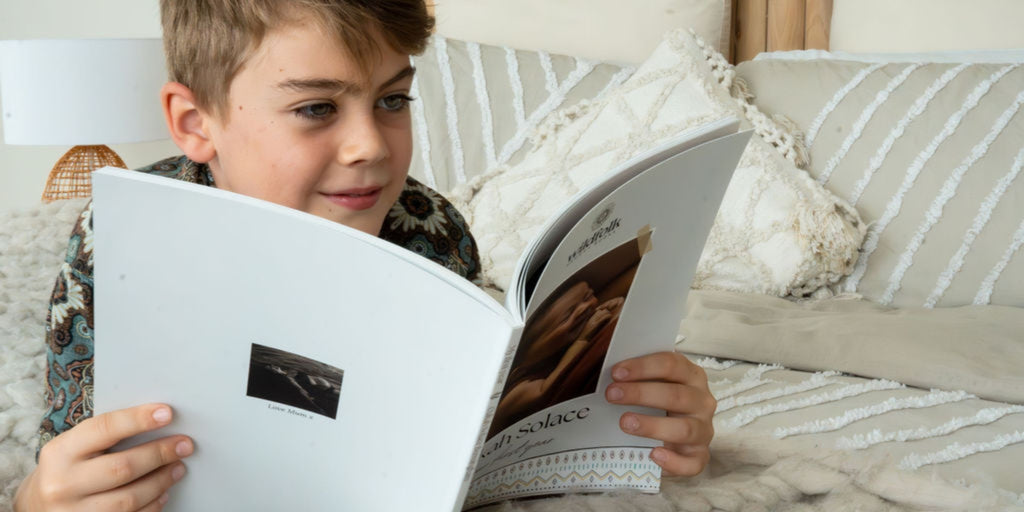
302	103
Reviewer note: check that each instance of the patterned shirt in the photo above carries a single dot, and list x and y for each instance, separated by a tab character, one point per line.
421	221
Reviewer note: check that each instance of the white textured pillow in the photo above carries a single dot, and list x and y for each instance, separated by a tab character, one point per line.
477	104
777	233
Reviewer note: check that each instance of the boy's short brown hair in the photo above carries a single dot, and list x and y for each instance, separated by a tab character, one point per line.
207	41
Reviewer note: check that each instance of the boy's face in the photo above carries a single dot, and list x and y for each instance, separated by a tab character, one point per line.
307	129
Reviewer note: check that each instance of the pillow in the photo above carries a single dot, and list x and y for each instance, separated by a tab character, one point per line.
973	348
930	154
778	231
606	30
476	104
925	25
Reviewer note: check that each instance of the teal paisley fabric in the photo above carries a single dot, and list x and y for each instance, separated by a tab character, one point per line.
421	221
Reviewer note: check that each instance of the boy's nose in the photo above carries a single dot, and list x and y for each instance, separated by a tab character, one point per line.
362	143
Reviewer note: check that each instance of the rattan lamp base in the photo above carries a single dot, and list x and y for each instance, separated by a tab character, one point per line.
70	177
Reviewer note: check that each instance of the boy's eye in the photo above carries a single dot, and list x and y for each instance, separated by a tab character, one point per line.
394	102
315	111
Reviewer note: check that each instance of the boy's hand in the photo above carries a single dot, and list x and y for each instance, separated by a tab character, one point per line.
668	381
75	472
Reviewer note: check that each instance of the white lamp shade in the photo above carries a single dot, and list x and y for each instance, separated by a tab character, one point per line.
82	91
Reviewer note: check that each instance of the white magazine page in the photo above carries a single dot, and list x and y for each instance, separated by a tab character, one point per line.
316	367
535	254
615	288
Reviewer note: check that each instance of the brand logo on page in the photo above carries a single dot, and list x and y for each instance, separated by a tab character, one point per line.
603	216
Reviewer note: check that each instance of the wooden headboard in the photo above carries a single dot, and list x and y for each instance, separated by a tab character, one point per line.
773	25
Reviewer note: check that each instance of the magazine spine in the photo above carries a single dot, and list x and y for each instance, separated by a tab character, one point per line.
492	405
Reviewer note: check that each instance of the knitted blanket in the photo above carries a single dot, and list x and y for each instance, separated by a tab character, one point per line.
32	244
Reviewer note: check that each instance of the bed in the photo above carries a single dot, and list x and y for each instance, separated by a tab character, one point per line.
858	306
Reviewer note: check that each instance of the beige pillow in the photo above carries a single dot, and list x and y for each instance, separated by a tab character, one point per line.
778	232
605	30
476	104
930	154
973	348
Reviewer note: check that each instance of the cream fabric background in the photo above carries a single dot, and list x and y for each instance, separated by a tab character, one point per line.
805	90
925	25
608	30
958	56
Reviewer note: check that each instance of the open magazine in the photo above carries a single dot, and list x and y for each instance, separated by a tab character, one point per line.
318	367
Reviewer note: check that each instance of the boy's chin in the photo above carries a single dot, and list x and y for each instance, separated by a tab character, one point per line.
368	218
366	222
368	226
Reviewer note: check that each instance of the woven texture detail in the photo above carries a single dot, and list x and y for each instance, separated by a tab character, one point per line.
70	177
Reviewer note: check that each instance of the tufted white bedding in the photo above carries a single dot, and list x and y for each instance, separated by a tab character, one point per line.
786	439
796	440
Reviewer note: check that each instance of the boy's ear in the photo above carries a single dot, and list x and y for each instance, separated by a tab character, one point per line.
187	123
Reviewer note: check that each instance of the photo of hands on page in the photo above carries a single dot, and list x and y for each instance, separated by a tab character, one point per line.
565	342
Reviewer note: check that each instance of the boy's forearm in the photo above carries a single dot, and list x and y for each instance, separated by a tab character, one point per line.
69	337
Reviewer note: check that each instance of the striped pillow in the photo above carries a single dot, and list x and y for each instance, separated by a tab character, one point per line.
930	154
477	105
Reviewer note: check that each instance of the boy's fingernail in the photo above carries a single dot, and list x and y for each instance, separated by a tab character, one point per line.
658	455
162	415
620	373
164	498
178	472
183	448
615	393
631	424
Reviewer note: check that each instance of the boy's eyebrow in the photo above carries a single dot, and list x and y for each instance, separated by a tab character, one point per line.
404	73
329	85
337	86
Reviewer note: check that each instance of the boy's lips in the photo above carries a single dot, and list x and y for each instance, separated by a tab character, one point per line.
355	198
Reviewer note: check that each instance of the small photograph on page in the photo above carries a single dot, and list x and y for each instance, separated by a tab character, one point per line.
564	343
295	381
